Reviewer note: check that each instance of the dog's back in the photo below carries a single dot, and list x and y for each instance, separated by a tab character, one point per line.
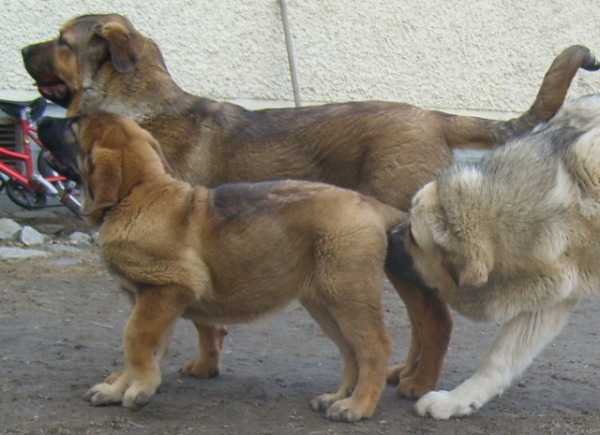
229	202
268	232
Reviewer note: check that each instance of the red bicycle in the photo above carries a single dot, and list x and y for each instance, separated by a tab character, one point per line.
25	186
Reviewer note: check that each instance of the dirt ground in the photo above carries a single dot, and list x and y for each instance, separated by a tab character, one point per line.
60	333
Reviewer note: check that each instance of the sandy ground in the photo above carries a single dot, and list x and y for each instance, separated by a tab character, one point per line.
60	333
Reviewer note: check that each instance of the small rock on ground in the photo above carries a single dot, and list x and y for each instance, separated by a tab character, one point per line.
62	261
9	229
63	248
30	237
10	252
81	240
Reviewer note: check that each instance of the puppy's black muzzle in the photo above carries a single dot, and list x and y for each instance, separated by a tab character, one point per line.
61	155
398	260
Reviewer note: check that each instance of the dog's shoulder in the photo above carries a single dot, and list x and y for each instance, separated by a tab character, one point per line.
226	116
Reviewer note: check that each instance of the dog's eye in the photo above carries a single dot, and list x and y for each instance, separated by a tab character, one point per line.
61	42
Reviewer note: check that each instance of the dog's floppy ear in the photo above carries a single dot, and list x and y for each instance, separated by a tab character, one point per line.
468	252
156	147
476	269
104	180
125	45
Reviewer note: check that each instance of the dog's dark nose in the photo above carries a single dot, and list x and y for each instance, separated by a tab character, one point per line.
26	52
398	260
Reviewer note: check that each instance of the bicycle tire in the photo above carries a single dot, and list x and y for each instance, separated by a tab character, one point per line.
24	197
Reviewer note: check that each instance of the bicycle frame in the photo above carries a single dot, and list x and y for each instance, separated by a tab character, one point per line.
31	178
29	184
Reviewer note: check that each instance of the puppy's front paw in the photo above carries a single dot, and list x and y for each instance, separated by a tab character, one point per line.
104	394
112	378
346	411
136	397
414	387
132	395
323	402
442	405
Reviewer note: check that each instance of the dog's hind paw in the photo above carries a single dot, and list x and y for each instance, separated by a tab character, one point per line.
201	368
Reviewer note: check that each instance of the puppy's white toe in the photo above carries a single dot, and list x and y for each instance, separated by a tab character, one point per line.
436	404
442	405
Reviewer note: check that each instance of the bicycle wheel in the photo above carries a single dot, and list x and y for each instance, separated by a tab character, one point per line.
24	197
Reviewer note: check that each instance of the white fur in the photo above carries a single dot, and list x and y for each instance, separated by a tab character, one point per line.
516	345
536	203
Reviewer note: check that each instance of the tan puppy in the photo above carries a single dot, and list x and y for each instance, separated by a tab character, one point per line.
229	255
514	239
382	149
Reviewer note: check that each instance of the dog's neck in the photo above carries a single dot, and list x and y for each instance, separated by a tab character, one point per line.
138	95
151	168
152	196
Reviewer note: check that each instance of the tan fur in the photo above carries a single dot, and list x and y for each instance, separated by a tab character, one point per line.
513	239
233	254
383	149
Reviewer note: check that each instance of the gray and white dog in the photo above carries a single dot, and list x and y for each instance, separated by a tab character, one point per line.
514	238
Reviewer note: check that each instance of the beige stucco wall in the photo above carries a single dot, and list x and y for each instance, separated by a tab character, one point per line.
486	55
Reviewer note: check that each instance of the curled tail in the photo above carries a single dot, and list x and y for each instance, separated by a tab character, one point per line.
473	132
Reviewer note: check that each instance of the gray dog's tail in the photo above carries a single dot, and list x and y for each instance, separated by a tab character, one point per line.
472	132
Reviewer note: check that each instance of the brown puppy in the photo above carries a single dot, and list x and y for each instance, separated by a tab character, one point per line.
229	255
386	150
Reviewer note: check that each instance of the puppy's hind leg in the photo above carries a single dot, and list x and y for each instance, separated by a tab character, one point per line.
145	341
361	324
210	342
515	346
350	375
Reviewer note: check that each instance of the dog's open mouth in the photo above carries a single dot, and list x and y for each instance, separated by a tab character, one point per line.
58	92
55	162
60	166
